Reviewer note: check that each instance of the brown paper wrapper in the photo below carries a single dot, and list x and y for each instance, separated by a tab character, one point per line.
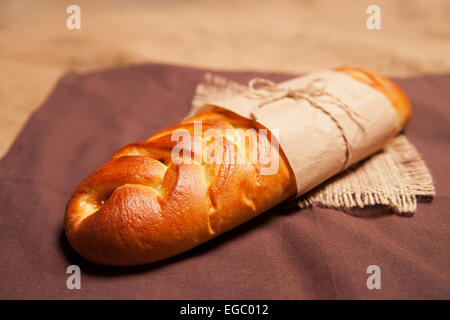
321	134
395	177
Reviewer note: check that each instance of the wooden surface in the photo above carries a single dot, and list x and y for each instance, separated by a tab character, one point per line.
36	48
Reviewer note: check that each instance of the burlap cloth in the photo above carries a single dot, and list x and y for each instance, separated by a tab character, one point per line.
396	177
285	253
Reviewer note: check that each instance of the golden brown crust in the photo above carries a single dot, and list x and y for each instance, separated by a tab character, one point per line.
396	95
141	207
135	209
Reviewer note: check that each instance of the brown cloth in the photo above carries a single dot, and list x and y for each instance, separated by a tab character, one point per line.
285	253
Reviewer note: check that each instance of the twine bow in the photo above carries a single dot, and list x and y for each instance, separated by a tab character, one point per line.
314	92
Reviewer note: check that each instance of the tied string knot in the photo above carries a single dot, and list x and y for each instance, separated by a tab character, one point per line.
314	93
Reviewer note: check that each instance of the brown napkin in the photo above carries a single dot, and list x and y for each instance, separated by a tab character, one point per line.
395	177
284	253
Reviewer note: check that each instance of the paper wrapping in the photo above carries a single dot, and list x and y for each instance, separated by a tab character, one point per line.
322	138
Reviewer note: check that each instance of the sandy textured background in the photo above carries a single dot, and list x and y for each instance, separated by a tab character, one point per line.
294	36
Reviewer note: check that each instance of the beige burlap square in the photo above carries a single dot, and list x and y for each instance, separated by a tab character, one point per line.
396	177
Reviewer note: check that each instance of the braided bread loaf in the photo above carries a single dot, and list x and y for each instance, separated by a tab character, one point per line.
141	206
